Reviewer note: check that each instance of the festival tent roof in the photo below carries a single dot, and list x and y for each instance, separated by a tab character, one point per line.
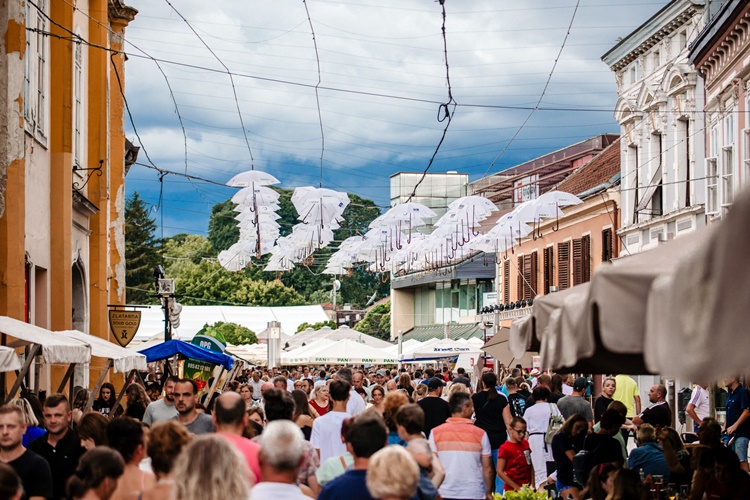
343	332
307	336
406	346
348	352
123	359
445	348
55	348
193	318
302	353
8	360
168	349
255	354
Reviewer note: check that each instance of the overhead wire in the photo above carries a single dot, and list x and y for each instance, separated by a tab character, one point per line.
317	94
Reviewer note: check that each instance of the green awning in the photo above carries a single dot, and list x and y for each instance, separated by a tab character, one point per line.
456	331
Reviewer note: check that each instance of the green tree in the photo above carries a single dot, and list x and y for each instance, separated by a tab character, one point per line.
222	226
141	251
377	322
316	326
236	334
181	249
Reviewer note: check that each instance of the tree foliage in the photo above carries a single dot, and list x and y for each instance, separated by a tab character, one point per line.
316	326
377	322
141	251
236	334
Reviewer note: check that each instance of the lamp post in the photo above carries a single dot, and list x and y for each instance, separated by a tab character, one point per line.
274	344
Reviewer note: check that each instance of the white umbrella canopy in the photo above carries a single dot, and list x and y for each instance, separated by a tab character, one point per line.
535	211
258	195
250	177
406	211
559	198
473	201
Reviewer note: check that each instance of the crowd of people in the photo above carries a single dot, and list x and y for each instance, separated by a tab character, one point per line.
342	433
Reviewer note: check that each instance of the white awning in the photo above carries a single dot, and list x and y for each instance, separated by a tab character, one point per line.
55	348
123	359
8	360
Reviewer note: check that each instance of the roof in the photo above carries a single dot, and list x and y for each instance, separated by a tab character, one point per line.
55	348
455	331
725	18
598	171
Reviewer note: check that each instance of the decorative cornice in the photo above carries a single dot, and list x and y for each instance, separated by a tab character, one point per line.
119	13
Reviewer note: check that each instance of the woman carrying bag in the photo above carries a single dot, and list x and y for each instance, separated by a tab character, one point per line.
542	417
493	416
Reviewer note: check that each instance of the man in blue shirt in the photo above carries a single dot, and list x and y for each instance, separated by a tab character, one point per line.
367	435
649	456
738	425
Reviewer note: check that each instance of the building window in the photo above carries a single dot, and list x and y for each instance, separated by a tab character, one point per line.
746	157
519	279
35	70
563	265
727	162
78	104
506	281
712	186
529	276
581	260
608	245
549	254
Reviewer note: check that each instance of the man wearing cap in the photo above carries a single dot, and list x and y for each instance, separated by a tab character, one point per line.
436	409
381	377
575	402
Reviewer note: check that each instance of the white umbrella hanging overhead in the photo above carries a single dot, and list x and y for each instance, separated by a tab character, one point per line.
559	198
250	177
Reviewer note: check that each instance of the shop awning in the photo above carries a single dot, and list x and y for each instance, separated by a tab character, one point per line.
8	360
123	359
170	348
499	348
55	348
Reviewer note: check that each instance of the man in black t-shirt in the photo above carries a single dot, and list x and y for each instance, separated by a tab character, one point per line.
659	414
33	470
436	409
59	447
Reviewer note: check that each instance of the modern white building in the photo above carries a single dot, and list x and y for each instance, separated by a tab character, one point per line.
663	181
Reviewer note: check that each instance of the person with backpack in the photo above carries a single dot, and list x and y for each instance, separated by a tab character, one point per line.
601	446
538	417
565	445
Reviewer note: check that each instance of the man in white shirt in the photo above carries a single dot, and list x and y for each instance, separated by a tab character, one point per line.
699	406
256	384
281	456
326	430
356	404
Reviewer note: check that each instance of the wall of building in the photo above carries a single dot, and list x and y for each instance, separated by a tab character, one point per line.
402	310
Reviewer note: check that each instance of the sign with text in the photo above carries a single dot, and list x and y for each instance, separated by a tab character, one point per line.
124	325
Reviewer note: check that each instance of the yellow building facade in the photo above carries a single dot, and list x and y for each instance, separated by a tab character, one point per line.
62	166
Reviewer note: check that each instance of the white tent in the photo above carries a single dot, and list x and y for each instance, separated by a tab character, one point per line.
256	354
444	348
347	352
406	346
8	360
344	332
301	354
54	348
123	360
307	336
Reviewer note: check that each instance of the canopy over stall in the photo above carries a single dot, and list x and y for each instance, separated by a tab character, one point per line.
49	346
499	348
255	354
9	360
345	352
444	348
172	347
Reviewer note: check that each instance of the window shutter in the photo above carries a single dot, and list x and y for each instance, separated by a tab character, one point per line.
563	265
519	279
577	262
548	269
586	259
533	273
506	281
607	245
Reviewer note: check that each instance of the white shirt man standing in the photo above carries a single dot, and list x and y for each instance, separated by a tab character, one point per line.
326	430
281	457
699	406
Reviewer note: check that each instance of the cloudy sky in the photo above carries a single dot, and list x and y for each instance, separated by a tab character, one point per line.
382	80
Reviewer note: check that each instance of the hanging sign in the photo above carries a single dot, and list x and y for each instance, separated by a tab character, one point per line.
124	325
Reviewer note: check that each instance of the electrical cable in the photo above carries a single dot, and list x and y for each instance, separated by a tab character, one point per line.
317	95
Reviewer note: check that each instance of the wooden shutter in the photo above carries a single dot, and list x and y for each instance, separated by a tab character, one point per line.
549	253
519	279
506	281
607	245
577	262
586	259
533	274
563	265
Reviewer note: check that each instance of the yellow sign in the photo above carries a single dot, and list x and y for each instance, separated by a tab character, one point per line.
124	325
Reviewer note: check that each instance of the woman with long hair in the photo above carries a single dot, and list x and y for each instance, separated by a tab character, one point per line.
246	391
537	418
404	382
302	415
556	388
138	400
166	441
676	456
601	482
210	468
92	430
566	443
627	486
80	402
421	391
320	399
377	394
492	415
393	401
97	475
33	429
105	403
